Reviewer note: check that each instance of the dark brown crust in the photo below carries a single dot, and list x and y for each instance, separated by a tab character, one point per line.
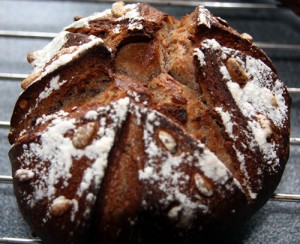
157	69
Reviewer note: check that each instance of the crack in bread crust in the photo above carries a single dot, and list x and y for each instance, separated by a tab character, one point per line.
134	126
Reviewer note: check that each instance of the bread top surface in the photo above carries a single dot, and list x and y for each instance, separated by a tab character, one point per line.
131	111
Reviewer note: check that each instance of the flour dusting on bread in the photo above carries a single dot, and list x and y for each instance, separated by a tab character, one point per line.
137	126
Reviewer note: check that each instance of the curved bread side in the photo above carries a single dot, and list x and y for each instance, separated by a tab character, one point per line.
132	118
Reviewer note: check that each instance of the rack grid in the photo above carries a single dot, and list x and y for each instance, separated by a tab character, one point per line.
231	7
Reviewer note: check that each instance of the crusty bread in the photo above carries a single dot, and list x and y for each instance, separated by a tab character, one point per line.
135	127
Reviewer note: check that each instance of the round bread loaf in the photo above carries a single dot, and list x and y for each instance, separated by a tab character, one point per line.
135	127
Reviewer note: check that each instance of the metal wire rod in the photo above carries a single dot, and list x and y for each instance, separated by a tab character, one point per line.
49	35
6	179
219	4
267	45
276	197
280	197
27	34
295	141
11	240
13	76
210	4
286	197
4	124
293	90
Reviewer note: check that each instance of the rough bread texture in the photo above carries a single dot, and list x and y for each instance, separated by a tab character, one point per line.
135	127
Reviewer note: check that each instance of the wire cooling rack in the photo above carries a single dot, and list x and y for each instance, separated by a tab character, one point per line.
25	27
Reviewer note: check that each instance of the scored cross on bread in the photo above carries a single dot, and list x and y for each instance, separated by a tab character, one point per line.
137	127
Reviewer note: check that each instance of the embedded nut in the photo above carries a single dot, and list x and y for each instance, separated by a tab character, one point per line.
30	57
22	138
168	141
153	85
66	50
24	175
274	102
174	212
222	21
236	71
247	37
60	206
84	135
118	9
179	99
203	187
265	124
77	17
29	80
23	104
